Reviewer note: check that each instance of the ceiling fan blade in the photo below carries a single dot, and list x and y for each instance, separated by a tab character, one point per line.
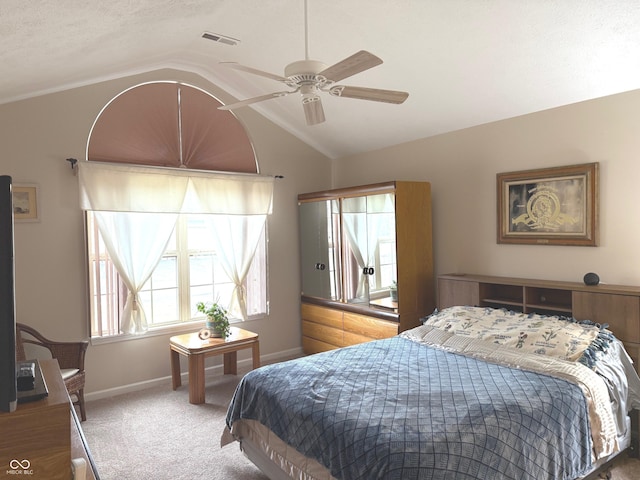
249	101
374	94
254	71
313	111
356	63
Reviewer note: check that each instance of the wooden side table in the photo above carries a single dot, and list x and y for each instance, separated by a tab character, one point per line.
196	350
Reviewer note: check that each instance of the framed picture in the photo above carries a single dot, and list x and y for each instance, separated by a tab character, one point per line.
549	206
25	203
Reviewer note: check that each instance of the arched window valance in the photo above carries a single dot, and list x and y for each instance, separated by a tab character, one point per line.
171	124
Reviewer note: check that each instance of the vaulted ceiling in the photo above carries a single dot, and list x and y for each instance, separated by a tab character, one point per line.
463	62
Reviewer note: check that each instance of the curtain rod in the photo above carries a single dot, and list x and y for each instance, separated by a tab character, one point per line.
74	164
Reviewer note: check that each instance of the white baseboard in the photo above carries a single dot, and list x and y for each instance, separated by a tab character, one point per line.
215	370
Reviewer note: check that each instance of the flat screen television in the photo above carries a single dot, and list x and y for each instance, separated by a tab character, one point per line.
8	390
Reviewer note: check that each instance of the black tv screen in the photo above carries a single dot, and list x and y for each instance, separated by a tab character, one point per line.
7	300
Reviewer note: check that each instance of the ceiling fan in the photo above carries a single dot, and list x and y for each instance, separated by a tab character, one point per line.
310	78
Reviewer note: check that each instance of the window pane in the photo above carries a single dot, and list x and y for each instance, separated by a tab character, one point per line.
209	282
145	300
160	299
257	280
219	273
199	233
160	306
166	273
387	275
165	306
223	293
387	266
202	294
201	269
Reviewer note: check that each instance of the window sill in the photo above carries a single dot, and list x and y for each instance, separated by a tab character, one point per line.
152	332
176	329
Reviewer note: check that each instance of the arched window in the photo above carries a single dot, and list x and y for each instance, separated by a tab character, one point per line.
164	232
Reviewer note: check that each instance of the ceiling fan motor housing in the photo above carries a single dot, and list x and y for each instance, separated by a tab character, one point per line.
306	72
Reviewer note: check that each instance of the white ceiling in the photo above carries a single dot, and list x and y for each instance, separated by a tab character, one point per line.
464	62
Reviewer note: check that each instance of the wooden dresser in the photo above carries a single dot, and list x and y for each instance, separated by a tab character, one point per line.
356	243
40	438
616	305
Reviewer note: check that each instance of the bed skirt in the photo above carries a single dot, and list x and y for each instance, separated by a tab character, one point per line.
279	461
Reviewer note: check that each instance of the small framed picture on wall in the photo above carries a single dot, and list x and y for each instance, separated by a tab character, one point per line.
25	203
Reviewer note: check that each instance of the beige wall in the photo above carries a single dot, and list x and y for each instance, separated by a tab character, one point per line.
462	168
36	137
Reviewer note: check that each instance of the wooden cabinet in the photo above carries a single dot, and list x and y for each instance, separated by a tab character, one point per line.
40	438
80	448
355	243
620	310
36	435
615	305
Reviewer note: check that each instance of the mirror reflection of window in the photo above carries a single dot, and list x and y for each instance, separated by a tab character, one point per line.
369	231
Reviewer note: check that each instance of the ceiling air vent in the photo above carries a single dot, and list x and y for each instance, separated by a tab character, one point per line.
220	38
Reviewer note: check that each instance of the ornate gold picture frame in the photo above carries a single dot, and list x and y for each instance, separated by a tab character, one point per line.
549	206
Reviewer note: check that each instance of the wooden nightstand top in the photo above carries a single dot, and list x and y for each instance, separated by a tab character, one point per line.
192	343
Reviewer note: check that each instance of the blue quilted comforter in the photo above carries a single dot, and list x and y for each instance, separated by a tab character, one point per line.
398	409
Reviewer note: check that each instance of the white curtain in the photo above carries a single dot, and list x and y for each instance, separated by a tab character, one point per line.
355	227
135	242
138	210
236	238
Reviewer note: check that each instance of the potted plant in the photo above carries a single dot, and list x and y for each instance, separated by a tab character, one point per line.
217	319
393	291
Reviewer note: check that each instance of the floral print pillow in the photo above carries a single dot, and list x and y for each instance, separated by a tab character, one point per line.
556	336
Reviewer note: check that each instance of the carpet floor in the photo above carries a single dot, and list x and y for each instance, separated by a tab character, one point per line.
157	434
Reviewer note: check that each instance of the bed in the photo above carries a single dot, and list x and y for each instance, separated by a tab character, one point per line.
473	393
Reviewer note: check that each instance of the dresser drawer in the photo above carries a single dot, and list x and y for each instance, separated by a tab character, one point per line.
325	316
324	333
311	346
354	339
372	328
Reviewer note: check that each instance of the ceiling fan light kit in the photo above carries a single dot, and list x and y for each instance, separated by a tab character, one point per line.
310	77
